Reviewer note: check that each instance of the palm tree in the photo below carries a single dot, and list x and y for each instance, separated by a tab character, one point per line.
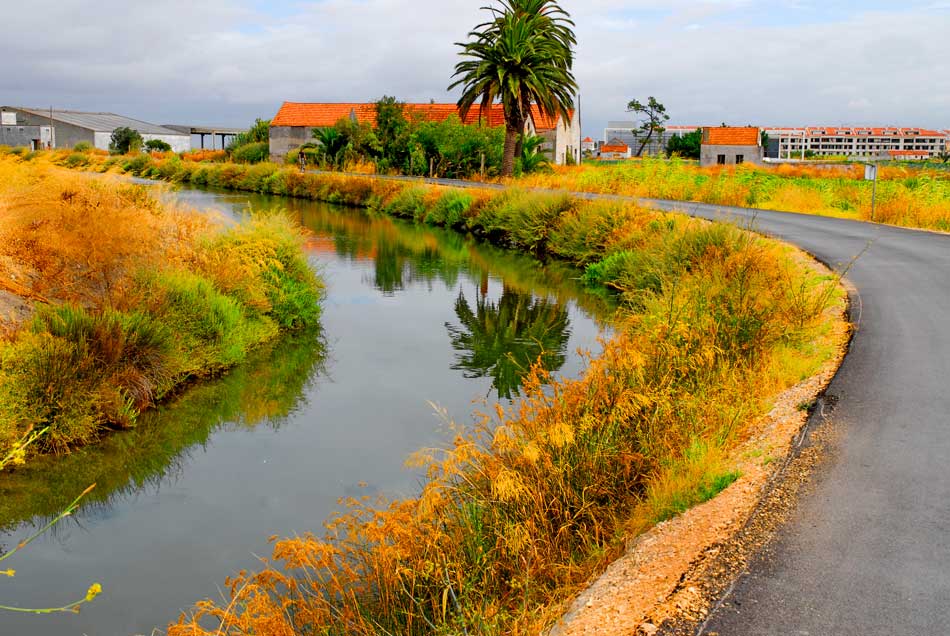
533	158
522	57
503	339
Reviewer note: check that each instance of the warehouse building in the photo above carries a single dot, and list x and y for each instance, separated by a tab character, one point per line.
69	127
14	133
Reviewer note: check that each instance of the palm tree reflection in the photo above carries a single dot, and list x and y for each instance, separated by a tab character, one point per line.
503	339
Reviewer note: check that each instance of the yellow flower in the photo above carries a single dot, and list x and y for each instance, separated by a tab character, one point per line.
94	590
11	572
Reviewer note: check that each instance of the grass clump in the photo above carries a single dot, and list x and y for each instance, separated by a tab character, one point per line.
132	298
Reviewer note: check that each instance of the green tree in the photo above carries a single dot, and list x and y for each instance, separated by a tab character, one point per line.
522	56
686	146
653	117
125	140
392	132
256	134
456	149
503	339
533	158
157	145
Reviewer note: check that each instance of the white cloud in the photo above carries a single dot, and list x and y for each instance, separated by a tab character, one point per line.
221	62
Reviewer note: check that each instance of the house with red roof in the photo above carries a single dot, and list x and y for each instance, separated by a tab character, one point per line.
730	146
588	145
614	150
293	124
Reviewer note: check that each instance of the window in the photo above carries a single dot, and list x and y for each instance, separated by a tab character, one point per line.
739	159
721	160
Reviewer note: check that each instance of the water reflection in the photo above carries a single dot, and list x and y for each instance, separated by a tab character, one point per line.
266	390
503	338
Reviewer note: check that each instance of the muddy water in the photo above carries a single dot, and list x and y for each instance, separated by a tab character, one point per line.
412	315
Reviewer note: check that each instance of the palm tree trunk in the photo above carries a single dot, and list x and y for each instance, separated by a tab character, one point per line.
512	134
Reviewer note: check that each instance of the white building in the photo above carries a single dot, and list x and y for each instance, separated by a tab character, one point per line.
869	142
69	127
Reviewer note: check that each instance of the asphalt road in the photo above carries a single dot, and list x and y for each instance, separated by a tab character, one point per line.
867	551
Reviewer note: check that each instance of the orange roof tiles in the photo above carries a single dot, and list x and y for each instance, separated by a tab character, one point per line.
617	148
320	115
729	136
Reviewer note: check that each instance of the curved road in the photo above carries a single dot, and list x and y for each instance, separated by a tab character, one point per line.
867	551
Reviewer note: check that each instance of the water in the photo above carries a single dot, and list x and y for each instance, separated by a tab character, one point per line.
412	315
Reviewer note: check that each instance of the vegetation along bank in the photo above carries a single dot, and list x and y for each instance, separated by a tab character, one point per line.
110	300
534	499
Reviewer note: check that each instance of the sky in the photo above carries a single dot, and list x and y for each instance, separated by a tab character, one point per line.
771	62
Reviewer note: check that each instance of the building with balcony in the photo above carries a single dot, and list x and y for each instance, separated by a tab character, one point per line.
858	142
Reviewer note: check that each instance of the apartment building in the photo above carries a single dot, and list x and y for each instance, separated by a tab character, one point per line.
870	142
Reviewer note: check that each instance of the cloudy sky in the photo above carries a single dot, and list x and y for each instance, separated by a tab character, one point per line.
768	62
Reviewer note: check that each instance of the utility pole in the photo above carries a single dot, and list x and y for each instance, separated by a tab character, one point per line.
50	143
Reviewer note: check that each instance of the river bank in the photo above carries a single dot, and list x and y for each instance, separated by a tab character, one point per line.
115	300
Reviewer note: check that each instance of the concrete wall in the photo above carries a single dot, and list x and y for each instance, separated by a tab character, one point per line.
283	139
32	137
64	135
708	154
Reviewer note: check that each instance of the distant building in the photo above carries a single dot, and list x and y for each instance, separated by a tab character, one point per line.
13	132
908	155
614	149
293	124
624	131
588	145
729	146
69	127
859	142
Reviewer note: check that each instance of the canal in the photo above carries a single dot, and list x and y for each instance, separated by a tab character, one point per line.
414	317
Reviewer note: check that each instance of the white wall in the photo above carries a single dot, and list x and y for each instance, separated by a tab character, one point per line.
179	143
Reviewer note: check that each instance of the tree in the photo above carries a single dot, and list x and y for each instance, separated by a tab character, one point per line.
944	156
533	159
157	145
332	143
257	133
686	146
125	140
522	57
653	115
392	131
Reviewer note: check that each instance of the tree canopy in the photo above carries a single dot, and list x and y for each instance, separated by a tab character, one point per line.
521	57
125	140
653	118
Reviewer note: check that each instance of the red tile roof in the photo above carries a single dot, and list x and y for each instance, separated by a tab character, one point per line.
321	115
730	136
617	148
587	140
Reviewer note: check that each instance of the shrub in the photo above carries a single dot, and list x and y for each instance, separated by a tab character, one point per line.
82	146
251	153
157	145
125	140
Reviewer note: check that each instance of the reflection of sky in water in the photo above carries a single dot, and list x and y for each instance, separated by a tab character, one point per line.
270	447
